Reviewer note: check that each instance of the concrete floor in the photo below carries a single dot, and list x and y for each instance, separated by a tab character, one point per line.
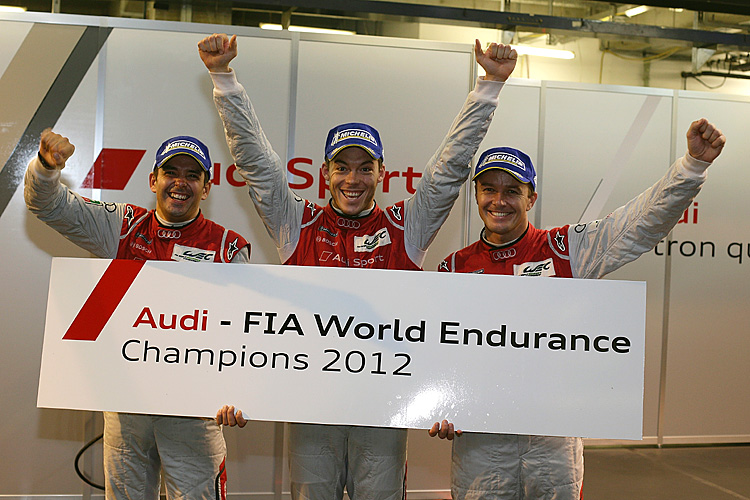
691	473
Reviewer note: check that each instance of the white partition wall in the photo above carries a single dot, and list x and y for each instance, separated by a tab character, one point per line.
119	85
706	395
597	135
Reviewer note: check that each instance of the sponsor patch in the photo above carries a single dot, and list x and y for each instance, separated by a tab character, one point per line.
327	241
396	211
182	253
543	268
312	208
368	243
168	233
232	249
143	237
503	253
332	234
560	241
109	207
348	223
129	215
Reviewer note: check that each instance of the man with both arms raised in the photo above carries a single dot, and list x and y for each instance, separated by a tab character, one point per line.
368	461
514	467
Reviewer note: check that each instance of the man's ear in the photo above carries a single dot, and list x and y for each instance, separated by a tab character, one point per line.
381	171
206	190
326	173
532	200
152	181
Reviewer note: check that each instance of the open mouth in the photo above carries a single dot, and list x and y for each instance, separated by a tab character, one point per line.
179	196
352	195
498	214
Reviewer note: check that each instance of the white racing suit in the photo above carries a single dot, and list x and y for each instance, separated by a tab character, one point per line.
190	451
510	467
370	462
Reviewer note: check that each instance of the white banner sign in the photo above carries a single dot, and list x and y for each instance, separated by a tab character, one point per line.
347	346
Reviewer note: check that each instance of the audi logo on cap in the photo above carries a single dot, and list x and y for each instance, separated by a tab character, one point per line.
503	254
168	233
350	223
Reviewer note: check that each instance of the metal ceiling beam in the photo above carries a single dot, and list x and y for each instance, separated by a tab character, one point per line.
512	20
741	7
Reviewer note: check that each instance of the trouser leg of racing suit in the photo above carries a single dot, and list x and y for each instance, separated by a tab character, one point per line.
369	461
511	467
191	452
131	460
377	463
317	461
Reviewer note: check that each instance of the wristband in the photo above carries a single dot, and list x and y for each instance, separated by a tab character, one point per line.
43	162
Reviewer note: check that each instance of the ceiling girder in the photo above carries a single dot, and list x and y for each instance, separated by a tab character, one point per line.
512	20
724	6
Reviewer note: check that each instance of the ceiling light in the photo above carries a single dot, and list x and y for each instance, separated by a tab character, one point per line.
543	52
306	29
10	8
637	10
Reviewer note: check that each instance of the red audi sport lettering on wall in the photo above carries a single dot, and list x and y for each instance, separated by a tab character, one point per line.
231	176
690	215
303	170
304	174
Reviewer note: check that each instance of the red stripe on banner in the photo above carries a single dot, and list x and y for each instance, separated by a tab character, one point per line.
104	299
113	168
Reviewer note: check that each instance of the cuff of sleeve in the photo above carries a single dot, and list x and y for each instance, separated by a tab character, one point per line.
225	83
695	168
44	173
488	88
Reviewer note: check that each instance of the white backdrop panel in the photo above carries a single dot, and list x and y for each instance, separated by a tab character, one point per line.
707	396
584	130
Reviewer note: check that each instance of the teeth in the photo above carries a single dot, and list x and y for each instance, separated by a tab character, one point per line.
178	196
498	214
352	194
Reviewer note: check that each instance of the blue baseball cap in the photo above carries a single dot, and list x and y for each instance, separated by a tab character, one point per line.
353	134
184	145
515	162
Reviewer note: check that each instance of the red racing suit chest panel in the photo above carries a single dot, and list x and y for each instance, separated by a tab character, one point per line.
143	238
375	241
537	253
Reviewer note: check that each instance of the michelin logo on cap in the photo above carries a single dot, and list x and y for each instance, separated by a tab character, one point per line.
341	135
504	157
184	145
